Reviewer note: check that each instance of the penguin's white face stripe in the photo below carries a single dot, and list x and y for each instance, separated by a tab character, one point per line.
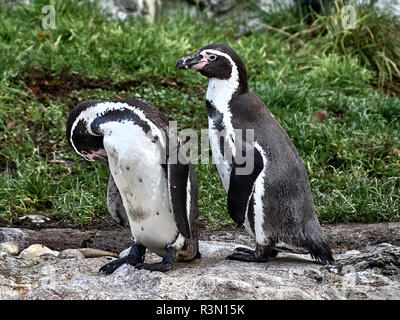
99	109
220	92
259	215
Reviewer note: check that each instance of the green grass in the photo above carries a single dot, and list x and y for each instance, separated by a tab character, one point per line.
351	157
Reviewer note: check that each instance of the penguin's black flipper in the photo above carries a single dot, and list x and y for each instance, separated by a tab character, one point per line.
241	186
177	176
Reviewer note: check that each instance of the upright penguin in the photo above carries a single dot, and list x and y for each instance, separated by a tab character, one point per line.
158	190
274	200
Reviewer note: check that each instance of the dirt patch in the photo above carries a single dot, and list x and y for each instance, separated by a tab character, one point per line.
47	86
97	223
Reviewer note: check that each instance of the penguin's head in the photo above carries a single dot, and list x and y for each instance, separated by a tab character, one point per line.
81	138
216	61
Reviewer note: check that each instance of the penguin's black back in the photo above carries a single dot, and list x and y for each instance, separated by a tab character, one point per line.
289	213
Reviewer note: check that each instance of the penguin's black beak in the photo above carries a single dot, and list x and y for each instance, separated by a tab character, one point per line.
189	62
102	159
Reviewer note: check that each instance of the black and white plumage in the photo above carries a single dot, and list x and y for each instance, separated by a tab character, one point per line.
158	195
273	202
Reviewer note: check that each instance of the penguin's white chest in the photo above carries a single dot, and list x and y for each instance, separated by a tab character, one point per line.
222	163
134	162
221	131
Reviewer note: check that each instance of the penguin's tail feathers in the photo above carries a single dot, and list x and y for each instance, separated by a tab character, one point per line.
319	248
313	242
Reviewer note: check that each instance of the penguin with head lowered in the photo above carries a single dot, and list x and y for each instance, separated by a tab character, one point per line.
273	201
158	191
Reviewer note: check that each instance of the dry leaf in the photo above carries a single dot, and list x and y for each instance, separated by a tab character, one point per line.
43	35
169	83
11	125
202	90
320	116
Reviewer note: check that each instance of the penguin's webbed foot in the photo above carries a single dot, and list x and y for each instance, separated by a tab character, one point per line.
260	254
135	256
165	265
114	265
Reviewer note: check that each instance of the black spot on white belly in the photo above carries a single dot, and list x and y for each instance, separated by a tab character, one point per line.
140	180
127	168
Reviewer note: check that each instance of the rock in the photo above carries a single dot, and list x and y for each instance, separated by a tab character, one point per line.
121	9
9	248
71	254
82	253
383	258
34	218
110	240
16	235
36	250
95	253
54	238
219	6
3	255
358	274
356	236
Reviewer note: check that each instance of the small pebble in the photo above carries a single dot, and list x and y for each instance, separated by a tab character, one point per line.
36	250
71	254
11	248
96	253
35	218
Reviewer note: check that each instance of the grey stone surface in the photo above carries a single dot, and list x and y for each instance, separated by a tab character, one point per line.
369	274
366	267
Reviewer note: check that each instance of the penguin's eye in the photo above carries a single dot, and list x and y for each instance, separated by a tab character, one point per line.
213	57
